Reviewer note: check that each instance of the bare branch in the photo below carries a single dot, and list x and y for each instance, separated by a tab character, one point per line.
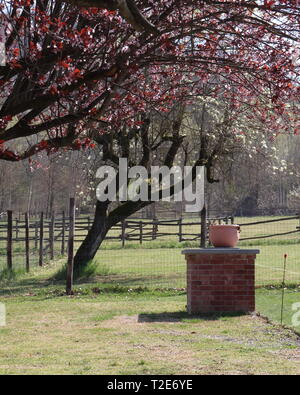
127	9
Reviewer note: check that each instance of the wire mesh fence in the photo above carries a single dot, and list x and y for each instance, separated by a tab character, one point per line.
158	262
42	239
147	253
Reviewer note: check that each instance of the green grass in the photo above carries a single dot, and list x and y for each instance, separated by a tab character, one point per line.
163	265
7	275
85	272
247	231
166	266
108	329
269	300
128	314
159	262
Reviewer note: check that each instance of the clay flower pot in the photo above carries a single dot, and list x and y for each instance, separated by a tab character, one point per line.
224	235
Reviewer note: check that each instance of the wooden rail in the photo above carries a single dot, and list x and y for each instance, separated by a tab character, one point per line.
40	235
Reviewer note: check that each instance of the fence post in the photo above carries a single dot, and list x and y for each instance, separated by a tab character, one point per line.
154	228
63	233
203	227
9	239
141	232
27	242
180	229
123	224
17	229
36	234
41	239
70	267
51	235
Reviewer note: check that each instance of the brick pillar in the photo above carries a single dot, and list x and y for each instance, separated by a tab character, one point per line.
220	279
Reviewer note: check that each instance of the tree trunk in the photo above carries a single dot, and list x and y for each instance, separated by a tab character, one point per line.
95	236
101	225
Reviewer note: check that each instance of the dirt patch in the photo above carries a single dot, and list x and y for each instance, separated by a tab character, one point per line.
124	319
263	335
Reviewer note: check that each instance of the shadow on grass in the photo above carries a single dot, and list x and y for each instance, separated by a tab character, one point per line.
23	286
136	280
183	316
50	288
117	279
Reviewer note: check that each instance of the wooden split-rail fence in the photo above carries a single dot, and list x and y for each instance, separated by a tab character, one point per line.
43	236
49	236
46	233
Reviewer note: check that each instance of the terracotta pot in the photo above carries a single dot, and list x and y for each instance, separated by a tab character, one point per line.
224	235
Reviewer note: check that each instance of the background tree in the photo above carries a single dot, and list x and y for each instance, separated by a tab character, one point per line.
207	132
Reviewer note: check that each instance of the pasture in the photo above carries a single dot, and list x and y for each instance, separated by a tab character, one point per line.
158	262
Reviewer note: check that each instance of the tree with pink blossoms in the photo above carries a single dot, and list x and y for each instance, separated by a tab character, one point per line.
77	71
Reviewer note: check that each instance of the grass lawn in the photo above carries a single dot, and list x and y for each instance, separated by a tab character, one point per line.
130	318
166	266
160	263
108	329
268	303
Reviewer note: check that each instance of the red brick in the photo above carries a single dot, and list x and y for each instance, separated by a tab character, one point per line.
227	267
196	293
218	293
200	267
240	282
217	302
220	283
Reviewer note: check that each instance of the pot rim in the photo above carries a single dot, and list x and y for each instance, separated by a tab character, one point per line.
225	225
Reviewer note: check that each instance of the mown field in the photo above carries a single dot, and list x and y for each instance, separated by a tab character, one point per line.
248	231
110	329
164	266
159	262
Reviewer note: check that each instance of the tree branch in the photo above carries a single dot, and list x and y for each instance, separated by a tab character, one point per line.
127	9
